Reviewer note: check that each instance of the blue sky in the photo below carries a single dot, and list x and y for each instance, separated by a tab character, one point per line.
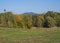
37	6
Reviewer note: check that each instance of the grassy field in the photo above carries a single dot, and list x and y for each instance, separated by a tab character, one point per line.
39	35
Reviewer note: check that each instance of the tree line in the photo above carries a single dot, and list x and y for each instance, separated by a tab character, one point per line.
49	19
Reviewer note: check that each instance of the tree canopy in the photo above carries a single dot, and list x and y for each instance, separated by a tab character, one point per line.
49	19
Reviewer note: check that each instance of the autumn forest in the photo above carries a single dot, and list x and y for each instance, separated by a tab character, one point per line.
48	19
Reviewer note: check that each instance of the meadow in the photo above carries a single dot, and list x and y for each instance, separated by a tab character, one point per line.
33	35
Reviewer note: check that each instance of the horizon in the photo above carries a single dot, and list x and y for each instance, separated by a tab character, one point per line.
36	6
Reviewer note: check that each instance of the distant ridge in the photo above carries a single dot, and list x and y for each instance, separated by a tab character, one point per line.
31	13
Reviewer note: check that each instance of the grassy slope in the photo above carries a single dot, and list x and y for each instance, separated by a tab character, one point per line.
17	35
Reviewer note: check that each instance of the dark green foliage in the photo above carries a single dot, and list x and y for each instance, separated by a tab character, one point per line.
55	16
38	20
50	22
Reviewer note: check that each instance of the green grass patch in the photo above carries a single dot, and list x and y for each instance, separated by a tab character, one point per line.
19	35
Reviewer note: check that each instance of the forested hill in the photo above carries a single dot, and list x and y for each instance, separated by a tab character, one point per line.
49	19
